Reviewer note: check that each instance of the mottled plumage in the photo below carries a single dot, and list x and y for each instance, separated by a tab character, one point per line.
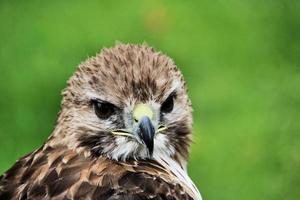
123	132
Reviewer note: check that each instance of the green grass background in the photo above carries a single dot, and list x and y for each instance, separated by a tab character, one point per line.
240	60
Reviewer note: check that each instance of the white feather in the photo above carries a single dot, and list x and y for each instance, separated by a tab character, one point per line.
181	174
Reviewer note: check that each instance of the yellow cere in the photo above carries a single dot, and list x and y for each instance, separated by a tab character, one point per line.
141	110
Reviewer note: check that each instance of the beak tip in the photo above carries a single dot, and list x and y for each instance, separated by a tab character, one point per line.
150	149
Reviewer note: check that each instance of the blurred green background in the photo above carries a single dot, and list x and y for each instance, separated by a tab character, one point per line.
240	59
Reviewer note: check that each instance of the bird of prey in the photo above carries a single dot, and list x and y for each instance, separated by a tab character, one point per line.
123	132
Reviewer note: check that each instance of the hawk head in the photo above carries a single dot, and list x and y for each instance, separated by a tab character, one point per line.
128	102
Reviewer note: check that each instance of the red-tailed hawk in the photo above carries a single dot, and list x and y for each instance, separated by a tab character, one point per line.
123	132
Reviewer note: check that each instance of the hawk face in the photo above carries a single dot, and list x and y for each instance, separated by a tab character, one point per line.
128	102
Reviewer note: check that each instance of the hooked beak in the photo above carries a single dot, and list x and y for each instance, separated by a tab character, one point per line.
146	133
143	114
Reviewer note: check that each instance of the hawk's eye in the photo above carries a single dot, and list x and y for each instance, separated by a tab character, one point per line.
103	109
168	105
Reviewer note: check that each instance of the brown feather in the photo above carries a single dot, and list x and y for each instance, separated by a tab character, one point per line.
88	178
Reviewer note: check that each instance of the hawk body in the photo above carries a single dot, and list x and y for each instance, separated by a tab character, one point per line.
123	132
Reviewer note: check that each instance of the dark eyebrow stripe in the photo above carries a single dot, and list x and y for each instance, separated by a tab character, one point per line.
99	101
96	100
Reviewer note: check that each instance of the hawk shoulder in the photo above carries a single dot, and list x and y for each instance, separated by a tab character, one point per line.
56	173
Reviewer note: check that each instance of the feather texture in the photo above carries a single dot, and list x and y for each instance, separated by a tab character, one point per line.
57	173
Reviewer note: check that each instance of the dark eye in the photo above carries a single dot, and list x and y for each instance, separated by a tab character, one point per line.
168	105
103	109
